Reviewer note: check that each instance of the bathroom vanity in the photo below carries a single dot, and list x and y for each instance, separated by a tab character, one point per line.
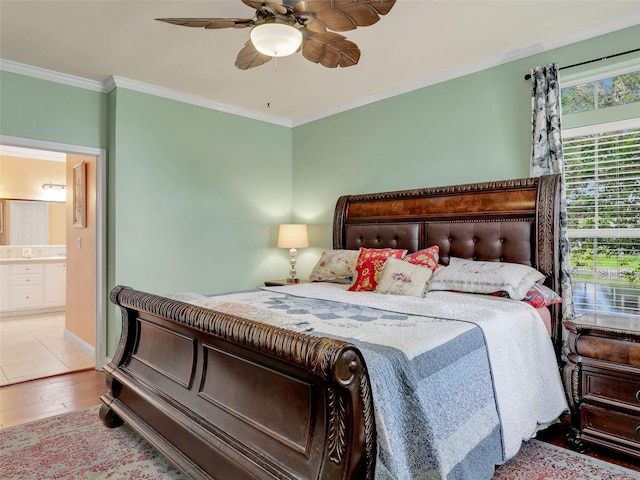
32	285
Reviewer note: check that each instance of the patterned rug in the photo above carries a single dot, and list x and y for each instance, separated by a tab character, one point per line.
78	446
542	461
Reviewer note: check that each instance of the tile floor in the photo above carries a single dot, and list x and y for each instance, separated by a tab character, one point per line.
32	346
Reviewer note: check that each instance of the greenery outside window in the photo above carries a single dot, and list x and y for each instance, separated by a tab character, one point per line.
601	146
602	179
610	91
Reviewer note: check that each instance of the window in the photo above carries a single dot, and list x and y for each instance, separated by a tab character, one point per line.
620	89
601	144
602	179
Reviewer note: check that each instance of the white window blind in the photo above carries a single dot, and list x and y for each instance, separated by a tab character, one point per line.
602	179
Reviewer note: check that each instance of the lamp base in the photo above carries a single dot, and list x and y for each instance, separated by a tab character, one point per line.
293	280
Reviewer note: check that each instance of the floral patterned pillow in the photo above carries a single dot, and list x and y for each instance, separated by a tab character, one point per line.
428	257
369	266
336	266
399	277
538	296
485	277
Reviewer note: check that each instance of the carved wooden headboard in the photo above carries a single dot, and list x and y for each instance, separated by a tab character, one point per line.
509	221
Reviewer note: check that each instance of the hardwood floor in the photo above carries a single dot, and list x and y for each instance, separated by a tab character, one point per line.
37	399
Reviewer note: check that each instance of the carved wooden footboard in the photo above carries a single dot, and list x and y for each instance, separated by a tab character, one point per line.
223	397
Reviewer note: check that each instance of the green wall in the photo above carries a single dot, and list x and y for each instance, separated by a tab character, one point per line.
195	195
48	111
198	193
470	129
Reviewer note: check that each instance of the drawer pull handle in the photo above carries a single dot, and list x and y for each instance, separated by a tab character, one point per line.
638	432
638	395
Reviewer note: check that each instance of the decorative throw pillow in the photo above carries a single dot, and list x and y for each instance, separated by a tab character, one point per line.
486	277
428	257
541	296
403	278
337	266
538	296
369	265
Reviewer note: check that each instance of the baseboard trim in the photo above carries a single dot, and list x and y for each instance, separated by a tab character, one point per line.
79	343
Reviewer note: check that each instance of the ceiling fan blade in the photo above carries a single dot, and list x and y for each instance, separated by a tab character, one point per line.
329	49
314	25
210	23
344	15
276	5
249	57
381	6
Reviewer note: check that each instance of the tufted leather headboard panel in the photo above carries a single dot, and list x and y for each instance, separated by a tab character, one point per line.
383	235
505	221
501	241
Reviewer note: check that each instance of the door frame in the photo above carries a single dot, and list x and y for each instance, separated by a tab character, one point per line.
100	351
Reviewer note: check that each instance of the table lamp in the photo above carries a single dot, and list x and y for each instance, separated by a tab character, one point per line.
293	236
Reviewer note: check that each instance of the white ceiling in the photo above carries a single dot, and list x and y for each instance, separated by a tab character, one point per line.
418	43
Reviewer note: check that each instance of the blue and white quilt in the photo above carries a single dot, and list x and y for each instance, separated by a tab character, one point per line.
458	380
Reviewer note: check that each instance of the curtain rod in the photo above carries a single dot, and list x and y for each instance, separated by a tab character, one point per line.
528	75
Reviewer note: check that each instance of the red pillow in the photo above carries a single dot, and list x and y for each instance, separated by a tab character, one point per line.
428	257
538	296
369	265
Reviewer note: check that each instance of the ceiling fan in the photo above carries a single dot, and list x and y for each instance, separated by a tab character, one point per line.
283	27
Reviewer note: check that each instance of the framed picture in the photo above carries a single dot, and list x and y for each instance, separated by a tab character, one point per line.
80	195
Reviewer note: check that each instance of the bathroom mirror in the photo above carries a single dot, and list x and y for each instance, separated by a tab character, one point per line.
29	222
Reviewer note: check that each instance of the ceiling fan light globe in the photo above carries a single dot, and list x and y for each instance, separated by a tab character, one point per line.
276	39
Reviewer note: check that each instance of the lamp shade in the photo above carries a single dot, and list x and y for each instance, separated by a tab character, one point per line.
293	236
276	39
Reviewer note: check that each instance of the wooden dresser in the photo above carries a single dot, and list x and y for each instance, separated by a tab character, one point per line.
602	378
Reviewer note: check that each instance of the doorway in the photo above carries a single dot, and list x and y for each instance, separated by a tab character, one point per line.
87	245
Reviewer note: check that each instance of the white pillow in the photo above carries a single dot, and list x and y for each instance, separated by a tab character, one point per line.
338	266
403	278
486	277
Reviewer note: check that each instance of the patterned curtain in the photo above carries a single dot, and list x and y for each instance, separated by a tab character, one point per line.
546	158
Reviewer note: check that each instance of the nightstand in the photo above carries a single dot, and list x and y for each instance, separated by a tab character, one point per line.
602	379
282	282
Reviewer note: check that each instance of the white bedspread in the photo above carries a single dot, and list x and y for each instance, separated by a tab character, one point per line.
527	380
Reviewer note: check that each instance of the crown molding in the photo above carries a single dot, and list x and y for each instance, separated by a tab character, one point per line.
50	75
490	62
121	82
401	89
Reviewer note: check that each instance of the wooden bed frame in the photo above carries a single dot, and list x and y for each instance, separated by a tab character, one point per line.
228	398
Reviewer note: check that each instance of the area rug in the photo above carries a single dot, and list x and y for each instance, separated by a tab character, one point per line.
78	446
537	460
